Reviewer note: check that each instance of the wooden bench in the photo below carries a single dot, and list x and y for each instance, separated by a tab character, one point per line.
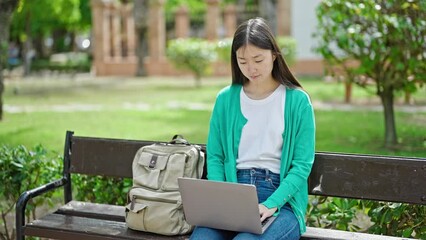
394	179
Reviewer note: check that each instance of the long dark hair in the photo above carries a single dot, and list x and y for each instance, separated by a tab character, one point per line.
257	33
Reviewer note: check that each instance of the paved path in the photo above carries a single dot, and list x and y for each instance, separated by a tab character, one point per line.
368	107
193	106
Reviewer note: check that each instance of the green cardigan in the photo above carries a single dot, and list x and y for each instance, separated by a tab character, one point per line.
298	150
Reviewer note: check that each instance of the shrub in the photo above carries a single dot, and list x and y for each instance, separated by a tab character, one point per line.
335	213
288	49
21	170
71	62
192	54
397	219
386	218
223	49
98	189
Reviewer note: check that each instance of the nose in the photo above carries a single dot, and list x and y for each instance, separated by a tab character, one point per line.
251	68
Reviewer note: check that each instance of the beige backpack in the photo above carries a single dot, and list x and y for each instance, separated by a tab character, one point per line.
154	202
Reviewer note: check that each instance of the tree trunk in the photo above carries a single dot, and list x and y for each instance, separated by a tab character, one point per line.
142	51
407	97
28	53
39	47
141	9
348	91
390	129
6	9
197	80
59	45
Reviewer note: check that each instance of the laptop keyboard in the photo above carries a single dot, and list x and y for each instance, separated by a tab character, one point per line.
265	221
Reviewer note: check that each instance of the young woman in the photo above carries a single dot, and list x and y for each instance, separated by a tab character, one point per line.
262	132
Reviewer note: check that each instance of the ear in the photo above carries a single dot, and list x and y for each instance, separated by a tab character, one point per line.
274	57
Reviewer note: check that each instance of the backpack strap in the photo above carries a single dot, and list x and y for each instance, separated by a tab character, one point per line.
179	139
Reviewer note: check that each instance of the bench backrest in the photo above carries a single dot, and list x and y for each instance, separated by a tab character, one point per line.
385	178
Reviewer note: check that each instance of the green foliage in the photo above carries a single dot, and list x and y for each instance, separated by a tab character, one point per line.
192	54
195	6
40	65
196	9
288	49
335	213
101	189
385	37
68	62
21	170
223	48
397	219
391	219
376	41
85	22
42	17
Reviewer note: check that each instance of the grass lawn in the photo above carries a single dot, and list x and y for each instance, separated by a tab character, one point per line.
40	111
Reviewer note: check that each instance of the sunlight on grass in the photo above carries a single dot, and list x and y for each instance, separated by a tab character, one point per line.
157	108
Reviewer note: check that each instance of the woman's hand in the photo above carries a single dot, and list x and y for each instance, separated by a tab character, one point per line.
266	212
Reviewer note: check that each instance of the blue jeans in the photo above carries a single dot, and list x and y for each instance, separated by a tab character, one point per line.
285	226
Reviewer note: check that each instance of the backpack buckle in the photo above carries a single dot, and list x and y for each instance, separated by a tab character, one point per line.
153	161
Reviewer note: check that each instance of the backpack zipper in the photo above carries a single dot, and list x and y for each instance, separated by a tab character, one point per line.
134	197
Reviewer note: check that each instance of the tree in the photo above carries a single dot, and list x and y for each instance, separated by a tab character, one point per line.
6	9
386	39
30	21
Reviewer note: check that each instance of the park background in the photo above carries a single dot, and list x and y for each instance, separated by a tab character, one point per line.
60	88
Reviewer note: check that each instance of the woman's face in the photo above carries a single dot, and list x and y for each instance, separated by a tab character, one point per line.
255	63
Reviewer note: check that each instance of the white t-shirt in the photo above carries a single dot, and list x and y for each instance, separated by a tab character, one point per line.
261	138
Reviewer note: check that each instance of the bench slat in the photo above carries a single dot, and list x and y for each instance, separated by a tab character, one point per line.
104	157
63	227
331	234
384	178
394	179
104	211
93	210
67	227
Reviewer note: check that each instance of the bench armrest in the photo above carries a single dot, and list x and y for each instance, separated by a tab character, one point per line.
21	204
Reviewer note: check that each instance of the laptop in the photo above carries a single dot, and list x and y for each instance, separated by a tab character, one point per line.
222	205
